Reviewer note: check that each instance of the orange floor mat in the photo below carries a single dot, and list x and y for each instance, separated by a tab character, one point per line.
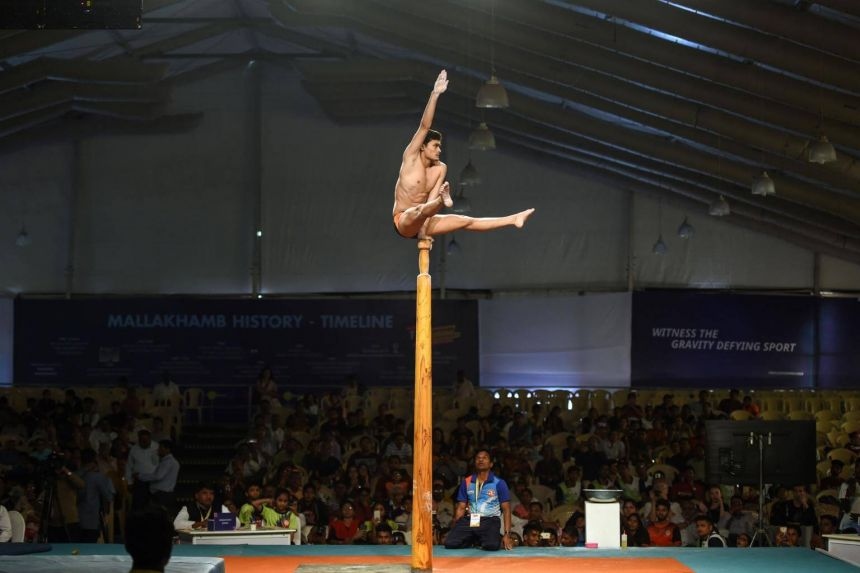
470	564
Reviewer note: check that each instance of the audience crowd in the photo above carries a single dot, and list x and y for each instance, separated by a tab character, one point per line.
66	463
337	474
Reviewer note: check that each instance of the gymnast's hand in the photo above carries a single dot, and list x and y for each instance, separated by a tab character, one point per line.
441	83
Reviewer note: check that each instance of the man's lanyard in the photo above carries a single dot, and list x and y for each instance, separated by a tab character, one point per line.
478	485
208	513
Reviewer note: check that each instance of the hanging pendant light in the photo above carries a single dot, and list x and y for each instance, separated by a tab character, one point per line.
469	175
686	230
492	94
462	205
763	185
660	247
23	239
454	247
719	207
482	139
822	151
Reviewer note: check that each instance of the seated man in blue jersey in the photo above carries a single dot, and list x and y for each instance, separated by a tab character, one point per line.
482	500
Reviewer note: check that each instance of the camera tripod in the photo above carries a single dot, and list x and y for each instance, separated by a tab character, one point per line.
49	486
761	533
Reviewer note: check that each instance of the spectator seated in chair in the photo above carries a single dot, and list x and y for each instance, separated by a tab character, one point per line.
252	510
661	531
5	525
637	535
827	525
531	534
196	515
346	529
282	512
739	521
569	537
788	536
707	534
798	509
849	500
382	535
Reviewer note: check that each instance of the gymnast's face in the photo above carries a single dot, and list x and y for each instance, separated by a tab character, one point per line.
433	150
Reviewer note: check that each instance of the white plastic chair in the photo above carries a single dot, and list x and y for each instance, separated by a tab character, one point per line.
18	526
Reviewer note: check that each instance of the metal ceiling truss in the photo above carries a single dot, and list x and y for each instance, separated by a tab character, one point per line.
711	129
688	99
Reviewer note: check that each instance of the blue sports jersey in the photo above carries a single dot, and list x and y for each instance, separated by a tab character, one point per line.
493	493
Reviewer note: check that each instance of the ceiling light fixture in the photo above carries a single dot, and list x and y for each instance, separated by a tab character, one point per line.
454	247
763	185
660	247
462	205
686	230
822	151
23	239
482	139
469	175
492	94
719	207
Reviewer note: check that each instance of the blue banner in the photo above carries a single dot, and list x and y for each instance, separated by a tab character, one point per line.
722	340
210	341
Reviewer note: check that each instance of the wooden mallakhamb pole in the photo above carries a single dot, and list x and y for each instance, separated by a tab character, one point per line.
422	446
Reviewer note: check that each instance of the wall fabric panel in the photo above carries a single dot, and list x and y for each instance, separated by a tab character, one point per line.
563	341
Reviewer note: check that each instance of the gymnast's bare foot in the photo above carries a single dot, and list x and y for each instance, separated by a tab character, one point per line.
520	218
445	193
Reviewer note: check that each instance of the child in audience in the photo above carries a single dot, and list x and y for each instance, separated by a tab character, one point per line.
252	510
283	513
